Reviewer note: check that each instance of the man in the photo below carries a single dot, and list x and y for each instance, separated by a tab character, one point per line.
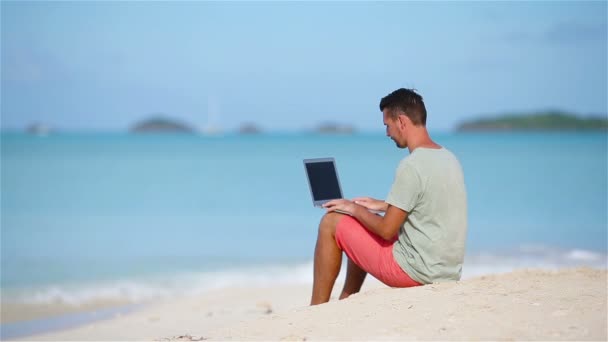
421	237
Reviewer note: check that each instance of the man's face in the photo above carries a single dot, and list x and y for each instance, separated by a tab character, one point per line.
393	130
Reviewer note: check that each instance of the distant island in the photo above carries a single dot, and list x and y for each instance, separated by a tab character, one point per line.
160	124
334	128
249	128
543	121
39	129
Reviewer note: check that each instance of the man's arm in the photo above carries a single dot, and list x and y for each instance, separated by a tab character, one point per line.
371	203
386	226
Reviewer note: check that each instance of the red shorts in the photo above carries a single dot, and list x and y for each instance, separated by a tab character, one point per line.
371	253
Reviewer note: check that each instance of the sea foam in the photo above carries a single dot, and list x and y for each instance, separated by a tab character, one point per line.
141	289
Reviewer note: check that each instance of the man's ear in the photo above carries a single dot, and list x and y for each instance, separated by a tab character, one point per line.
402	121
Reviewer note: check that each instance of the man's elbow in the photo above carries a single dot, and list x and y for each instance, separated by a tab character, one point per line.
388	234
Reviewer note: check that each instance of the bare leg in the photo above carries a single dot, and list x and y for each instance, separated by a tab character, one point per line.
328	259
354	279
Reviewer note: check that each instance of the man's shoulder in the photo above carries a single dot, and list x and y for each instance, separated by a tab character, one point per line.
431	162
426	155
408	161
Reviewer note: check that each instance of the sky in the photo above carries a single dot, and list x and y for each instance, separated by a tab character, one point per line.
290	66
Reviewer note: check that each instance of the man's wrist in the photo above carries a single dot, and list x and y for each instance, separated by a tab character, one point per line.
384	206
357	210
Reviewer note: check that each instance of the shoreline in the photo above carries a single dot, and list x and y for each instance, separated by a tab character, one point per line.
61	322
571	303
14	313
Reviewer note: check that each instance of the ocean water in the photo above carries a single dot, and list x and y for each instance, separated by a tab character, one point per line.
136	217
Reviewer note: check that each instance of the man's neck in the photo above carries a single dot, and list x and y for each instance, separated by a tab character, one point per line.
421	138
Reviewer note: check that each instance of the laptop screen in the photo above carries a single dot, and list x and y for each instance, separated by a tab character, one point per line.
323	180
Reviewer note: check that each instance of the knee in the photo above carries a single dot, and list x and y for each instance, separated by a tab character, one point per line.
329	222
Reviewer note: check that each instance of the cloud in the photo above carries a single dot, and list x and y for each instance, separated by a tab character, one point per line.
488	63
572	32
561	33
28	65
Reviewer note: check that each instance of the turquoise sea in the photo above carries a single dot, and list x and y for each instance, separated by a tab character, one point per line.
89	217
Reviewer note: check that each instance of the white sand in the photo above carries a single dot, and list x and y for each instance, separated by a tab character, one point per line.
522	305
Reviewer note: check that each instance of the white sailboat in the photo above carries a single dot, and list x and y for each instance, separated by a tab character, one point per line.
212	126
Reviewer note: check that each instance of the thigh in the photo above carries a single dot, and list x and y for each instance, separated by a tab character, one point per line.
370	252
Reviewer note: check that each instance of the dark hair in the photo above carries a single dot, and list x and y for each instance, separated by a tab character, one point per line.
406	101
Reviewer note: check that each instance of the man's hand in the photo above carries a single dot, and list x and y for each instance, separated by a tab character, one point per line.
371	203
343	205
387	226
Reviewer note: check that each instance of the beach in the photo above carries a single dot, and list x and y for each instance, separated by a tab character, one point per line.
154	183
533	304
152	237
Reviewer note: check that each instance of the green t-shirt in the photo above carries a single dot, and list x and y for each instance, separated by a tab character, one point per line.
429	185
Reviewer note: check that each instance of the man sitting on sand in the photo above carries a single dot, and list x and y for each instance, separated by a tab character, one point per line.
421	237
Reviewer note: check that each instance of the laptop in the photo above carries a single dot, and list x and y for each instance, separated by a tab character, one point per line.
322	180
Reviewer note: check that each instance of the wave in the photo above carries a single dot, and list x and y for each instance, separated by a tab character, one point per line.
142	289
531	256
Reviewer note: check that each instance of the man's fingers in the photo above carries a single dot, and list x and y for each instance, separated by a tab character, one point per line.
329	204
362	200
